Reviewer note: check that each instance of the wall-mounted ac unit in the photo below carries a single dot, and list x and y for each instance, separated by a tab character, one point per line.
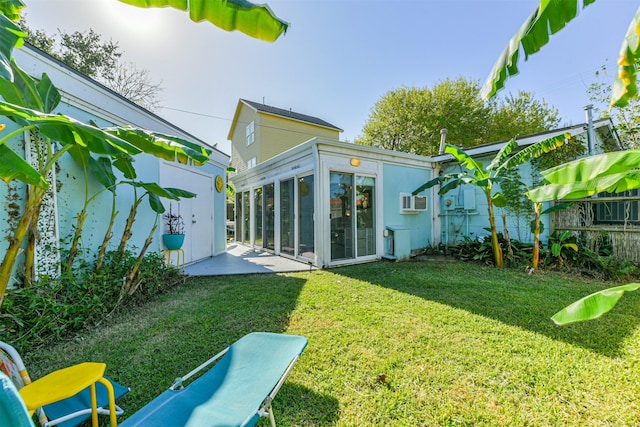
412	204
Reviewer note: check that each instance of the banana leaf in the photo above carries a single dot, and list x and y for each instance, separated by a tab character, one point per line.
13	166
625	84
160	145
593	306
614	183
589	168
11	8
254	20
11	36
102	170
534	151
502	154
466	160
550	17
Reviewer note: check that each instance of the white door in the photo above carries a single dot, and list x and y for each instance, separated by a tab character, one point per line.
196	212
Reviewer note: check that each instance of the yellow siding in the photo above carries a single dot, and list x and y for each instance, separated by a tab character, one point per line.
273	135
280	134
240	152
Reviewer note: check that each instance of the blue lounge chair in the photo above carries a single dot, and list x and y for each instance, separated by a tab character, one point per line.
236	391
67	412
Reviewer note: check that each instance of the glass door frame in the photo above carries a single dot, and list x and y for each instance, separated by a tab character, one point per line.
354	214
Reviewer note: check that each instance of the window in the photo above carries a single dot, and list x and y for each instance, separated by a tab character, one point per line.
614	212
251	163
251	133
412	204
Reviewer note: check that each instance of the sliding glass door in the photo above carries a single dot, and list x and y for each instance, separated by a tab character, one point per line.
352	215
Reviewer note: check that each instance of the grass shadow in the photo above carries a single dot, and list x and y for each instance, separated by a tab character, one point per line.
147	348
297	405
508	296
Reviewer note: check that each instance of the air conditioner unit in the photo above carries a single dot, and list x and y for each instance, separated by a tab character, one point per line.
412	204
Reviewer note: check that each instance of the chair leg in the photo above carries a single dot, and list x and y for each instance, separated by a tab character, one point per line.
94	406
112	401
271	417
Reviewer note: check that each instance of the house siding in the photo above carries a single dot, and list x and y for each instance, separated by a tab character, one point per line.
402	179
279	134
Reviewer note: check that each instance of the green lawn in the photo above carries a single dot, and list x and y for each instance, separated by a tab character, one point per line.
458	345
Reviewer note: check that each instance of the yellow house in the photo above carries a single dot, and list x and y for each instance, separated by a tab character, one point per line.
259	132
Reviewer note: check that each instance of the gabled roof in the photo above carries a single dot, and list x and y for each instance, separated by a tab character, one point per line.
280	112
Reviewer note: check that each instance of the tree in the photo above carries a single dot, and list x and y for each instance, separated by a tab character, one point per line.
626	119
517	116
100	60
410	119
135	85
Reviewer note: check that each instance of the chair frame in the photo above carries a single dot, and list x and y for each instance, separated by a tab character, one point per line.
41	413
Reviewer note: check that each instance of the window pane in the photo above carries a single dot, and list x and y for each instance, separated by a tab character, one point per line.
287	230
246	220
305	214
269	216
366	222
341	205
258	216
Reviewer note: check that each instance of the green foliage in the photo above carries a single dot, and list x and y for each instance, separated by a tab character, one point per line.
54	308
477	250
410	119
521	115
626	119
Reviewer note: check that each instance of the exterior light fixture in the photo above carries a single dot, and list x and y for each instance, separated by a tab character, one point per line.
355	162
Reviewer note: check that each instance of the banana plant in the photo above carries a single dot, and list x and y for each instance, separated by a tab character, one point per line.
612	172
550	17
486	178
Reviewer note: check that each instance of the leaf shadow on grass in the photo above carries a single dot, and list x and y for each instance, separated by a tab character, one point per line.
146	348
511	297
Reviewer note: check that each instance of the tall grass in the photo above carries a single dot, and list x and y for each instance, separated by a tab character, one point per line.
404	344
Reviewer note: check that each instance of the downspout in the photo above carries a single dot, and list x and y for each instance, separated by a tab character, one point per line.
591	137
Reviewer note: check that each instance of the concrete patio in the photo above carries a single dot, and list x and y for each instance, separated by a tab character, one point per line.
239	259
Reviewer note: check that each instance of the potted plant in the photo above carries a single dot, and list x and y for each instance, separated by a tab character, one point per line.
174	236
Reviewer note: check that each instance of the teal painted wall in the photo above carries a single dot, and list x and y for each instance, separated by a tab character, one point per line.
404	179
458	222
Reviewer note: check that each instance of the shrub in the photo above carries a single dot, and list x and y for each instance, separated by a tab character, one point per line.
54	308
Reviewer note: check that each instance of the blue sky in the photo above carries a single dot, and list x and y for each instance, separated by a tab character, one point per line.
341	56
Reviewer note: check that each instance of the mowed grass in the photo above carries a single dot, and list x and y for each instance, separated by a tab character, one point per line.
390	344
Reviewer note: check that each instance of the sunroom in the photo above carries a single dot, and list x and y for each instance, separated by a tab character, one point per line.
329	203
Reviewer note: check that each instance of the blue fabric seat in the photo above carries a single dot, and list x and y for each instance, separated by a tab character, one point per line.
236	391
